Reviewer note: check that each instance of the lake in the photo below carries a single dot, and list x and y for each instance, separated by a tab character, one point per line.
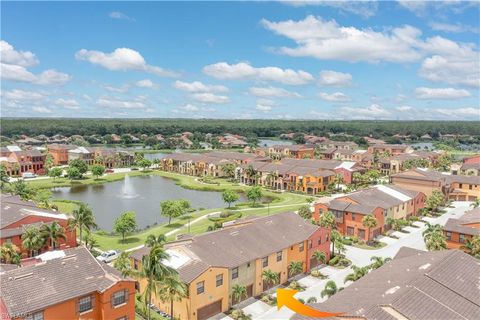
269	142
141	194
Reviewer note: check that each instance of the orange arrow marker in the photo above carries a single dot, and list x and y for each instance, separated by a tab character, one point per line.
285	298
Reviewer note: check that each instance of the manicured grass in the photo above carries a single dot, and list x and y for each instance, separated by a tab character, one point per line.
65	206
379	245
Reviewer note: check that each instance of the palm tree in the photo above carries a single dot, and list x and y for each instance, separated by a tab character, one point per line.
250	171
435	240
357	273
328	220
475	204
52	233
377	262
320	256
172	289
122	264
330	289
90	241
294	268
154	271
32	240
336	239
153	241
239	293
472	246
9	253
369	221
82	218
270	277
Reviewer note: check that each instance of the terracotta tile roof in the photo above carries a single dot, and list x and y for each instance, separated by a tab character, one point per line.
415	284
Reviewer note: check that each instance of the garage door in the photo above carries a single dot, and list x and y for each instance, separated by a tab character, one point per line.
210	310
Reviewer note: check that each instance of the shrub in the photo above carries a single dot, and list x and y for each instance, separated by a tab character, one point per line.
312	300
333	261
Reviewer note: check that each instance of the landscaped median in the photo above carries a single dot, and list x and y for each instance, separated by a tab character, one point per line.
274	202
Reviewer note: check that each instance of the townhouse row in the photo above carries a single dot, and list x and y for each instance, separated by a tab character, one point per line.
458	231
381	201
212	264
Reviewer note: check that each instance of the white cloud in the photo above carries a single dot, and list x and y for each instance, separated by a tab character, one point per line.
190	108
335	79
17	95
422	8
273	92
208	97
466	113
146	83
121	59
404	108
11	56
453	28
264	105
373	111
453	69
121	89
71	104
119	15
365	9
244	70
197	86
52	77
117	103
42	109
334	97
441	93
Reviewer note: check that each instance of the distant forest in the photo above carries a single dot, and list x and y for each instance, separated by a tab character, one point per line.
261	128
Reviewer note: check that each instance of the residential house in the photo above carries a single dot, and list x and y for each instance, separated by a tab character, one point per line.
373	141
18	214
390	149
342	145
440	285
59	153
66	284
297	151
459	230
111	158
211	264
82	153
18	161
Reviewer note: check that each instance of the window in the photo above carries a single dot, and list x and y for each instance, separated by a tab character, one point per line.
234	273
265	262
320	240
460	186
310	244
219	280
461	238
200	287
248	265
279	256
328	237
301	246
119	298
350	231
353	216
448	234
470	186
35	316
85	304
135	264
361	233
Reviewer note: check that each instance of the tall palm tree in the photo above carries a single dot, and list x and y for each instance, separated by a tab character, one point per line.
122	264
250	171
90	241
52	233
431	228
357	273
239	293
472	246
336	240
377	262
32	239
330	289
270	277
435	241
369	221
153	241
320	256
154	271
172	289
83	219
294	268
328	220
9	253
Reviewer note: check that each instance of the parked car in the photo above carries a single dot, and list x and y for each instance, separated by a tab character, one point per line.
109	171
28	175
108	256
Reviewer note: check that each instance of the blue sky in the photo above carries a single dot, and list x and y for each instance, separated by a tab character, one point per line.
276	60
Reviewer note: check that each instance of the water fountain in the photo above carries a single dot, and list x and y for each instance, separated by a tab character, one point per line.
127	190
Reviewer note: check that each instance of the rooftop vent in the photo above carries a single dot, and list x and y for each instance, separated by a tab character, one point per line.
425	266
392	290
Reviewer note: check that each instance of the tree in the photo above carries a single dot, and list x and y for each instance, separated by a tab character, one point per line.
172	289
336	239
270	277
239	293
89	240
32	240
153	241
230	196
20	188
294	268
330	289
52	233
369	221
9	253
83	219
434	238
254	194
299	138
434	200
144	163
377	262
311	300
126	139
305	212
328	220
42	198
98	170
81	166
126	223
73	173
4	178
320	256
229	170
55	172
443	163
357	273
250	172
472	246
475	204
48	163
174	208
122	264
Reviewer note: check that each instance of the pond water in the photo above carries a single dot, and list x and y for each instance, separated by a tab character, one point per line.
153	156
141	194
268	142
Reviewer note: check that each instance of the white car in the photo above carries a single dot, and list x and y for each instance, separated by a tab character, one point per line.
108	256
27	175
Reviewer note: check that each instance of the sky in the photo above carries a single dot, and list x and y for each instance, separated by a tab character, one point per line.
380	60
